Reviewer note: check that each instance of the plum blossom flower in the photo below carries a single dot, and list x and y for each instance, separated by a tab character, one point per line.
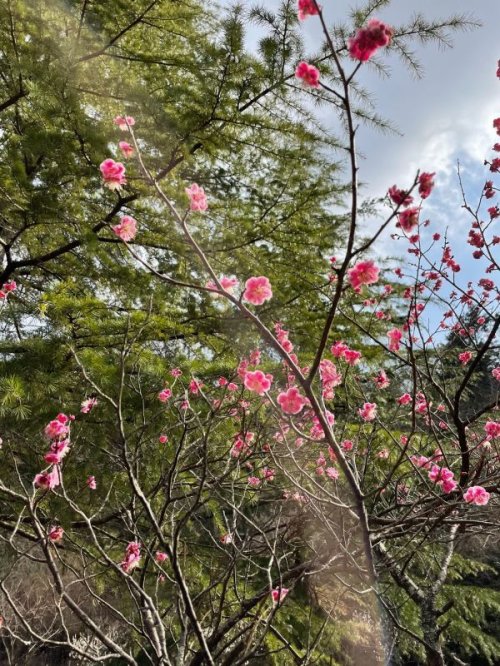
404	399
332	472
394	336
477	495
48	480
351	356
127	228
160	556
57	428
164	395
399	197
291	401
113	174
425	184
367	40
91	483
254	481
132	557
492	429
465	357
124	122
56	533
126	148
368	412
163	439
364	272
329	374
309	74
226	538
227	283
88	405
408	219
257	381
278	594
443	477
496	373
339	349
197	198
382	380
306	8
257	290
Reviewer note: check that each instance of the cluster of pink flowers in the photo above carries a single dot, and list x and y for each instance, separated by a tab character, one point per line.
381	380
197	198
443	477
341	350
330	378
369	39
113	174
124	122
258	382
160	556
477	495
492	429
56	533
132	557
306	8
7	288
91	482
257	290
399	197
364	272
368	412
292	401
496	373
308	74
317	431
57	432
126	229
282	337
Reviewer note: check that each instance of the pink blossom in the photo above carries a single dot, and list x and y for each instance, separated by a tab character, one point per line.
176	372
306	8
254	481
195	386
113	174
57	428
257	381
329	374
332	472
477	495
382	380
399	197
164	395
496	373
132	557
364	272
126	149
257	290
56	534
465	357
197	198
163	439
124	122
367	40
347	445
268	474
443	477
339	349
408	219
48	480
352	357
425	184
232	387
492	429
160	556
279	593
91	483
88	405
383	454
421	461
127	228
404	399
59	449
368	412
291	401
394	336
226	283
226	538
309	74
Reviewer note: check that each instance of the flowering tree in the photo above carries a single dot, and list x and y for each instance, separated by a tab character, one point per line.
203	507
